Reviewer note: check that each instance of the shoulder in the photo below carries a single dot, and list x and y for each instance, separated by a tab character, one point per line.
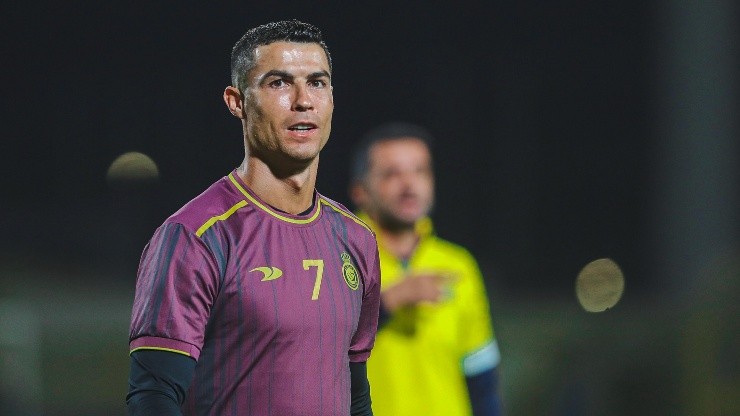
449	247
344	214
218	201
452	253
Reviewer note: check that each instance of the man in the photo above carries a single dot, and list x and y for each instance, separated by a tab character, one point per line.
435	353
260	296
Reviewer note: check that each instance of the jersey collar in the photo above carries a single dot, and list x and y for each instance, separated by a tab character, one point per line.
253	199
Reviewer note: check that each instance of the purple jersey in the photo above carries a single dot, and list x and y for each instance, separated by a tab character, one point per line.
272	306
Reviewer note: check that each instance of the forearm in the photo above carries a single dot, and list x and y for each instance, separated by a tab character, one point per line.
484	395
361	403
158	381
152	404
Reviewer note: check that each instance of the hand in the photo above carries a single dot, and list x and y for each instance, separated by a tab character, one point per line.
416	289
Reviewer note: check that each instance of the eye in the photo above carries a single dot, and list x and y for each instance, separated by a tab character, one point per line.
387	174
317	83
277	83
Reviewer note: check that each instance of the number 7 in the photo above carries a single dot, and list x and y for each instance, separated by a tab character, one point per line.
319	264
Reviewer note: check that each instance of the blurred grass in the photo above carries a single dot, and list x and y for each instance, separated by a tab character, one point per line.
82	319
556	358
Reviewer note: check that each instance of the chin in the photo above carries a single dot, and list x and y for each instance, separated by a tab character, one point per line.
409	222
303	153
406	221
409	217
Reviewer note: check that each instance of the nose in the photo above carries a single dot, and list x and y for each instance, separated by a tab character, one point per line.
414	180
408	181
302	100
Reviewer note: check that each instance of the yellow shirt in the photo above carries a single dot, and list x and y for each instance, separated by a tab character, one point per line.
423	353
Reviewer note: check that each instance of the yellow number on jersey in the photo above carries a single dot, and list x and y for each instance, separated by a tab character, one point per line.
319	264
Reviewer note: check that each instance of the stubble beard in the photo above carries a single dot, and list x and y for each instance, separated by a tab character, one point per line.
283	159
392	223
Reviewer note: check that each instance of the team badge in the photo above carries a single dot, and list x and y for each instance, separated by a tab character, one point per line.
349	271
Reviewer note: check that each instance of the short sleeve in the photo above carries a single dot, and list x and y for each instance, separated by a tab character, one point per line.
367	327
476	315
175	289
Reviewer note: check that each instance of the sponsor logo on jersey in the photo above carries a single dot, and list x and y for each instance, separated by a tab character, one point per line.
268	273
349	271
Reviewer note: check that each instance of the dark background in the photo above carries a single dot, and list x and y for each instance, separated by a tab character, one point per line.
566	131
541	112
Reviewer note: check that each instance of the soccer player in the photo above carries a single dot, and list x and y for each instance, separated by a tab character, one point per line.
260	296
435	353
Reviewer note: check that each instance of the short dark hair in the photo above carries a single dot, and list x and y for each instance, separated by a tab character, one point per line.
385	132
242	54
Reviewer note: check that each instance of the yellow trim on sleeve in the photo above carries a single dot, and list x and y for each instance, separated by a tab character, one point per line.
160	349
221	217
350	216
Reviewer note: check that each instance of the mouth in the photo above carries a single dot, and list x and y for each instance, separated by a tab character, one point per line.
302	127
408	196
408	201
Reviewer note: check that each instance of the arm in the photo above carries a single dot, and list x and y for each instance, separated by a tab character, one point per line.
480	364
384	315
361	403
409	292
483	391
364	338
175	287
157	382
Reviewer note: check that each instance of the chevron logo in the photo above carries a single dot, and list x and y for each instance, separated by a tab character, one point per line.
268	273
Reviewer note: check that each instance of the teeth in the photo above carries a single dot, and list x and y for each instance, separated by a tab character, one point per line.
301	127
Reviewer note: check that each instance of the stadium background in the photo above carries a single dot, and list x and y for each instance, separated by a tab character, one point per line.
567	131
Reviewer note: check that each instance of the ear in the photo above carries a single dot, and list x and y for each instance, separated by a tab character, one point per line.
234	102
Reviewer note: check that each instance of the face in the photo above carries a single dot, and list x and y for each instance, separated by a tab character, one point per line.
288	102
399	187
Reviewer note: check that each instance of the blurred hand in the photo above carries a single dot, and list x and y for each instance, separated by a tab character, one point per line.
416	289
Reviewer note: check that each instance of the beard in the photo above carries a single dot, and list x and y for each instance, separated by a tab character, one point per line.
393	223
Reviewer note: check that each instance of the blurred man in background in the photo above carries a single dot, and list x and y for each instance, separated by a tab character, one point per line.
435	352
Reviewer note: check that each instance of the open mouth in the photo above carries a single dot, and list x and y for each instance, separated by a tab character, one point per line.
302	127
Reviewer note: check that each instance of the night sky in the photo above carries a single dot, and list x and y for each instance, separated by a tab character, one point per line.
542	113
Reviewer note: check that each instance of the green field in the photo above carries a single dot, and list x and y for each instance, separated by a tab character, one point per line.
64	351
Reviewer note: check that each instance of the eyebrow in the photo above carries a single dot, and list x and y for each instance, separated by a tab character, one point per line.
319	74
287	75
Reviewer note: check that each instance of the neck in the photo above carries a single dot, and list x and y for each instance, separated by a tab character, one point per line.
292	192
401	243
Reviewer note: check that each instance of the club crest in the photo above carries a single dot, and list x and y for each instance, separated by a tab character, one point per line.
349	271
